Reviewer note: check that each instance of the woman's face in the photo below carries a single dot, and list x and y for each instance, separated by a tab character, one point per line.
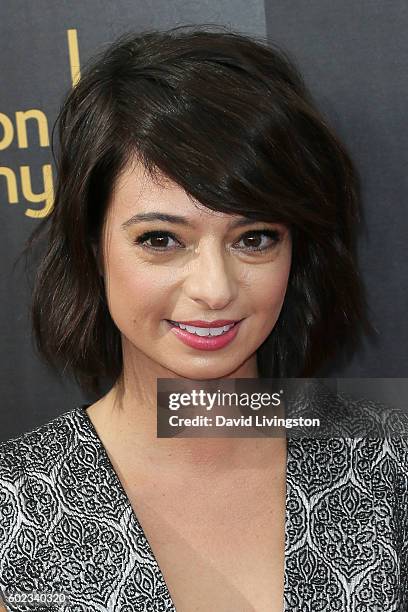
194	267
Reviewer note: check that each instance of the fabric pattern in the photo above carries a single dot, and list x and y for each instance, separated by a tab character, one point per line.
67	526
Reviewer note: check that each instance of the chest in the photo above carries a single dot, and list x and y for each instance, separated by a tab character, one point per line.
218	550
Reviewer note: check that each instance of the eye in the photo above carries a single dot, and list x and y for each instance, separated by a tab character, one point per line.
256	240
256	243
158	240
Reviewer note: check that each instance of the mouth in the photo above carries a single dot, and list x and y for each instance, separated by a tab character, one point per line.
205	338
204	332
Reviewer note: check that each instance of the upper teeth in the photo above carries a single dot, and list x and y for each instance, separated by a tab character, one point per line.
205	331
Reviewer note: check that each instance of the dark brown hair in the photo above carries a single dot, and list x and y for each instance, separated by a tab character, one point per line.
228	118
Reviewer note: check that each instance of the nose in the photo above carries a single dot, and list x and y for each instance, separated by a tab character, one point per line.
211	278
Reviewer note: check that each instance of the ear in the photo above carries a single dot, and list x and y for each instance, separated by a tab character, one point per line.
96	253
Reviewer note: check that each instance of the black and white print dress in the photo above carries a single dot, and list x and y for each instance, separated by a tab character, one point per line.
67	526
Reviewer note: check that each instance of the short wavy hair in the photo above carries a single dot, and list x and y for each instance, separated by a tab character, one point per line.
229	119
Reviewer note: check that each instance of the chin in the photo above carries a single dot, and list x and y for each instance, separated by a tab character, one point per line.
208	373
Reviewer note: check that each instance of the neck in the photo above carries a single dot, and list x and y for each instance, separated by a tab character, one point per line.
126	419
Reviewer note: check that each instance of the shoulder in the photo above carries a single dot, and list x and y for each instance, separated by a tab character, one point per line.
38	450
347	415
29	465
358	439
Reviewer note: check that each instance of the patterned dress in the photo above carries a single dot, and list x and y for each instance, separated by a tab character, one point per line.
67	526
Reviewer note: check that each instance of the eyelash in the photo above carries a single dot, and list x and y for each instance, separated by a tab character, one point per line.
274	234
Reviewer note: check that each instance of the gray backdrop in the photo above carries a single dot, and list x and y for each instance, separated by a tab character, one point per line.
354	56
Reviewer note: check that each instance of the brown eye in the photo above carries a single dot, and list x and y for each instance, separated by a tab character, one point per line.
255	241
159	240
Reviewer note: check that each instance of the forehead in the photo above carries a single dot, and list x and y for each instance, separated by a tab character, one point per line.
136	191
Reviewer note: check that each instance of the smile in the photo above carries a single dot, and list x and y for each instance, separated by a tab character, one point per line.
204	331
205	338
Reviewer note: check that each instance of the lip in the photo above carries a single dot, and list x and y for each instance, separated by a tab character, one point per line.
205	343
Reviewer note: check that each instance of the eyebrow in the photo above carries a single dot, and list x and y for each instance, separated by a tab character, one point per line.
179	220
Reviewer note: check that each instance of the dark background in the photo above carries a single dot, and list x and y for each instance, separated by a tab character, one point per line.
354	57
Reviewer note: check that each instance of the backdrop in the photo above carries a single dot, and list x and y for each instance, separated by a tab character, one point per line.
353	56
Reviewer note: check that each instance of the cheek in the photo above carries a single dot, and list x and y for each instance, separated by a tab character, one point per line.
269	288
271	296
134	289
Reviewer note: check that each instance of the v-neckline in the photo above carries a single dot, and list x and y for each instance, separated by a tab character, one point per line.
82	411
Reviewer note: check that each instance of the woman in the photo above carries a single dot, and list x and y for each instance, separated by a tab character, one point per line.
197	185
